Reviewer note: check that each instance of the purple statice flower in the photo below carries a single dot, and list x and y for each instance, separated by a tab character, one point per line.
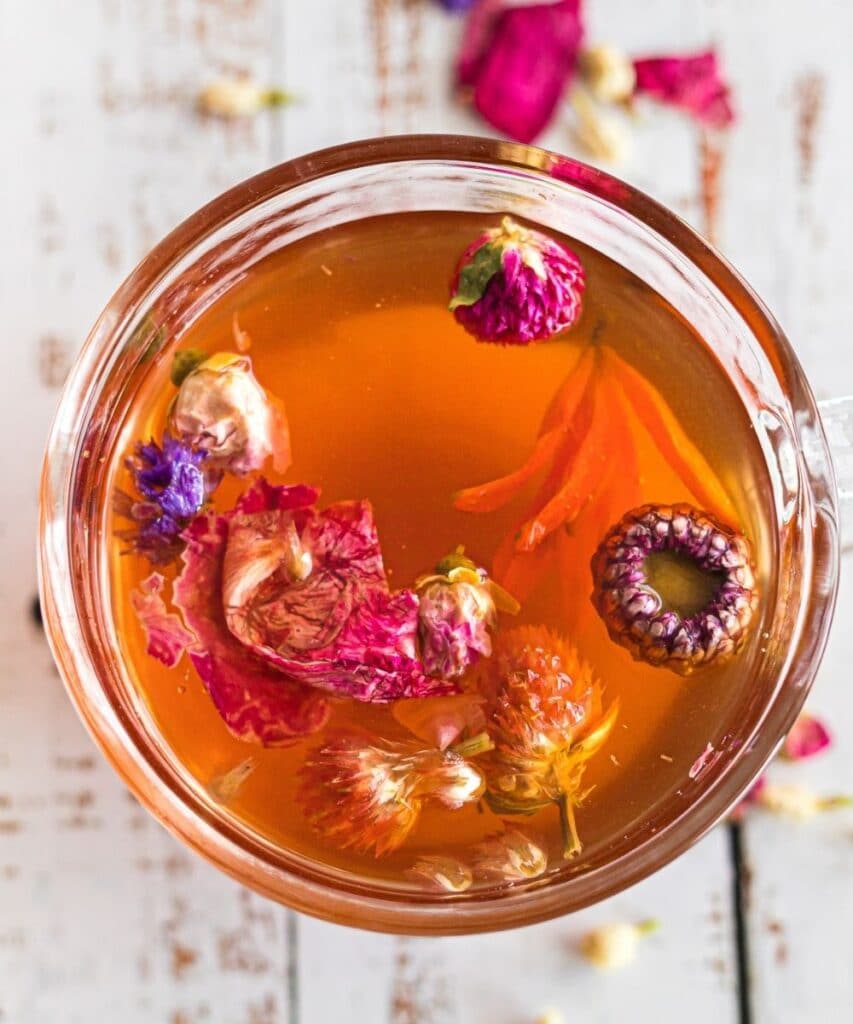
456	5
172	488
514	285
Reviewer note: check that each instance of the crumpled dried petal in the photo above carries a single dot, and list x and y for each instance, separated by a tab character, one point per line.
609	73
808	736
613	946
174	482
458	608
798	802
239	97
692	83
519	60
440	873
339	627
366	794
440	721
167	637
510	856
221	409
257	703
635	614
546	722
514	285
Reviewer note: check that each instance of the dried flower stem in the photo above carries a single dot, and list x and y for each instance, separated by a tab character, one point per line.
568	828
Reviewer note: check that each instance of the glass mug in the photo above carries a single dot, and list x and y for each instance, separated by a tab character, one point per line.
196	264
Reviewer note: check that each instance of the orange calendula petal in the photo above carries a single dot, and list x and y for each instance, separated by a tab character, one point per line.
566	401
671	440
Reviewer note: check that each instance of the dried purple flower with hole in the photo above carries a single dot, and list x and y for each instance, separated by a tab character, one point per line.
612	946
174	482
514	285
458	606
221	409
635	613
509	856
440	873
366	794
232	98
808	736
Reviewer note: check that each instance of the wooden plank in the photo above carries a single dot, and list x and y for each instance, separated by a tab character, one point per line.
105	916
787	227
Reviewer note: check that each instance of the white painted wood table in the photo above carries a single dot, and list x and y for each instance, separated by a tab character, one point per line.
103	916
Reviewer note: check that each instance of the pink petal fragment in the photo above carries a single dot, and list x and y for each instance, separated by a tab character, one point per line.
440	721
692	83
750	799
258	704
167	637
519	59
339	628
809	736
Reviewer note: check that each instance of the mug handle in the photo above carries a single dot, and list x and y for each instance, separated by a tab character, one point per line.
837	417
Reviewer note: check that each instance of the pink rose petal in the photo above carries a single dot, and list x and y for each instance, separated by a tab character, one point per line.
519	60
259	705
809	736
692	83
167	637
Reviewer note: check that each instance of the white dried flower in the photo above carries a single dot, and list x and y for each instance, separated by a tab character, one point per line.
238	97
795	801
551	1016
615	945
446	874
609	73
604	135
510	856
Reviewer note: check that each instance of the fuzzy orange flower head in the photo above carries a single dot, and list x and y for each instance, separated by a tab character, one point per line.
365	794
546	722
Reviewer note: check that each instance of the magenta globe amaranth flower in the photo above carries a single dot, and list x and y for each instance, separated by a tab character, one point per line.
514	285
689	551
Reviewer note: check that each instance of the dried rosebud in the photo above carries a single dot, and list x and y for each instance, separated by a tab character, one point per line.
457	609
518	60
366	794
609	73
509	856
514	285
174	482
615	945
635	613
440	873
546	722
693	83
221	409
231	98
794	801
808	736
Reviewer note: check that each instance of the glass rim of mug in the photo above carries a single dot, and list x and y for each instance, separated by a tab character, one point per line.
69	588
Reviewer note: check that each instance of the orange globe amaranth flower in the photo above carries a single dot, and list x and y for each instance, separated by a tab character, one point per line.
366	794
546	721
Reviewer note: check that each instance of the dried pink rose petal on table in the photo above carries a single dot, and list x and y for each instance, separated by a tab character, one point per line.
808	736
693	83
519	61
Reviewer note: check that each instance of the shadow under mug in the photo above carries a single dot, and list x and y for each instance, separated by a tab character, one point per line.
201	259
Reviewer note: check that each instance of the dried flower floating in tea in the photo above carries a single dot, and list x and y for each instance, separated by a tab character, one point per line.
514	285
440	873
546	720
167	638
366	794
637	614
510	856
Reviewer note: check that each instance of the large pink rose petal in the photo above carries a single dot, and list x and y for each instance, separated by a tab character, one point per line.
166	635
693	83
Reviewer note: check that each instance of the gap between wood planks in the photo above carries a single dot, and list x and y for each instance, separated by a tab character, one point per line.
741	877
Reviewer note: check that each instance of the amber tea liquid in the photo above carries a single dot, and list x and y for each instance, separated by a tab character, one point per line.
389	399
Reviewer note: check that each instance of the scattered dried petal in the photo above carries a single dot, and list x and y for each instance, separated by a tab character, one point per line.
519	60
546	722
798	802
613	946
510	856
226	786
707	759
609	73
551	1016
366	794
692	83
221	409
166	635
808	736
440	873
604	135
440	721
514	285
635	613
239	97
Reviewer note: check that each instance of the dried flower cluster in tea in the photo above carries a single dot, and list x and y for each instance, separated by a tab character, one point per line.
375	661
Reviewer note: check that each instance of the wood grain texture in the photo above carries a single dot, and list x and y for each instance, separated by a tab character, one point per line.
104	916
